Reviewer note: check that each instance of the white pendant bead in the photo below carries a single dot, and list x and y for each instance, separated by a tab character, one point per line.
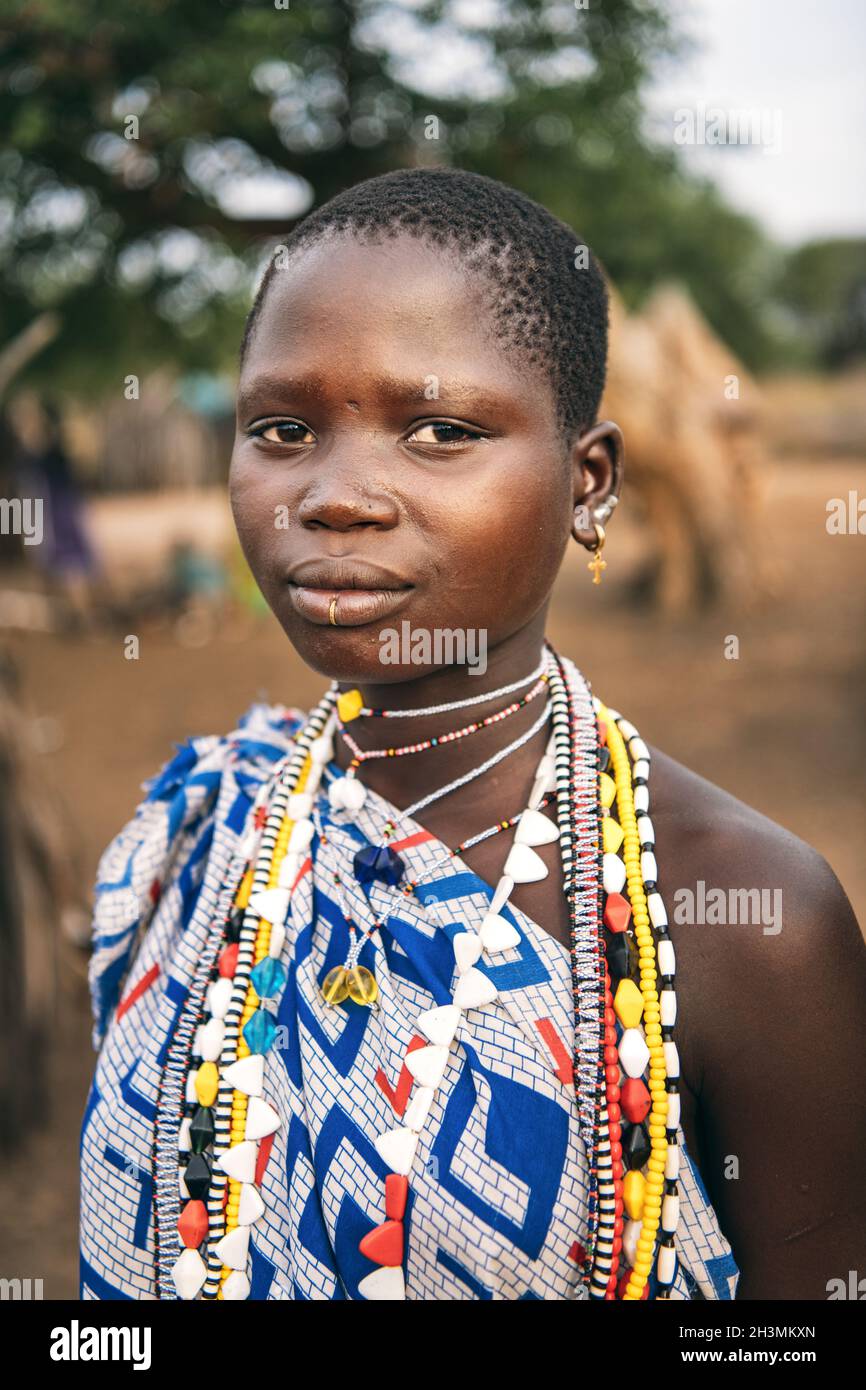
247	1074
498	935
641	769
236	1287
672	1162
440	1024
627	729
540	788
322	749
354	794
250	843
667	958
546	770
648	866
630	1238
427	1064
314	777
184	1137
396	1147
301	837
534	828
191	1096
638	750
418	1109
335	794
613	873
277	941
503	892
668	1001
262	1119
641	800
189	1273
474	990
672	1060
181	1184
384	1285
666	1265
670	1212
234	1248
523	865
300	806
467	950
673	1117
251	1206
211	1040
646	831
633	1052
239	1161
219	997
271	904
656	908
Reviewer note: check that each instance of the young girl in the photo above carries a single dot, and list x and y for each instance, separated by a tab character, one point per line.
386	995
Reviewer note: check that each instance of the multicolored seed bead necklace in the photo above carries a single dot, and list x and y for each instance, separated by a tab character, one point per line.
364	755
626	1065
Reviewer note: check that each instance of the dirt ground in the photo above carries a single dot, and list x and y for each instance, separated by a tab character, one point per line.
782	727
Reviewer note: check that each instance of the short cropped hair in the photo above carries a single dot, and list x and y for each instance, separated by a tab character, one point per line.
550	302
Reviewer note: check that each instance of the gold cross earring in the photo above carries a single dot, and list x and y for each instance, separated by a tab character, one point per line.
597	564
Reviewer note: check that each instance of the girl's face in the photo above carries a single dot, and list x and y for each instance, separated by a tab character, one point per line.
392	454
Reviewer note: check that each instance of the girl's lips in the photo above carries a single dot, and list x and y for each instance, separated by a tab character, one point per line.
354	607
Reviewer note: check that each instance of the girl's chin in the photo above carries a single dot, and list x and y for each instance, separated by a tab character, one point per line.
377	654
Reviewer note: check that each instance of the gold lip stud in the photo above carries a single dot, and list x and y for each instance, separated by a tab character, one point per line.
331	610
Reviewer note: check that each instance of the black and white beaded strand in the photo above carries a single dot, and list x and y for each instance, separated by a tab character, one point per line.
287	781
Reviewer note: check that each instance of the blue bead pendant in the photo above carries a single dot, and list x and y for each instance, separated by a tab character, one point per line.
378	862
268	978
260	1031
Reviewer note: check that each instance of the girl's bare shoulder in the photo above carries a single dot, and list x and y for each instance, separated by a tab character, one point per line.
759	921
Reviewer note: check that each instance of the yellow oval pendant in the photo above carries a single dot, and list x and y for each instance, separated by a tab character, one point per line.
362	985
335	986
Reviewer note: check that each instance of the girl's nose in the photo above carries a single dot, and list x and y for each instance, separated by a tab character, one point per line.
346	493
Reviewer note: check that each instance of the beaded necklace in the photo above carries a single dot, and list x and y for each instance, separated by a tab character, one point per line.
225	1108
350	704
364	755
351	981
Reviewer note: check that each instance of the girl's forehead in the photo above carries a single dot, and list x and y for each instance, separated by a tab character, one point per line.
398	275
395	308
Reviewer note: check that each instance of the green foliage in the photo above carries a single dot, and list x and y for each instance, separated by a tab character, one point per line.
823	284
138	243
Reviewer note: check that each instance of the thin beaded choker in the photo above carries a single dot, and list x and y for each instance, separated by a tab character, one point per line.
620	947
350	704
363	755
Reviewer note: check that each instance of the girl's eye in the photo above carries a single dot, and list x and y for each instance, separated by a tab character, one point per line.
285	432
442	432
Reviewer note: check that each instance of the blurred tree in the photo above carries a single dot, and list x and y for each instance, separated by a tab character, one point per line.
152	155
823	286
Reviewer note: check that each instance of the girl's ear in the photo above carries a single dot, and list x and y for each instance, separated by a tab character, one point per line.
597	459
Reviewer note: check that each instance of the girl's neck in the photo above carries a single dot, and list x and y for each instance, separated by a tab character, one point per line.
406	779
511	660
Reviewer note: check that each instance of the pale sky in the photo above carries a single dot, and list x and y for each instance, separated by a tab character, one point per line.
793	68
802	63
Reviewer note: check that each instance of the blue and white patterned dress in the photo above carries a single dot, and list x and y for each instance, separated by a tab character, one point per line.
498	1204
